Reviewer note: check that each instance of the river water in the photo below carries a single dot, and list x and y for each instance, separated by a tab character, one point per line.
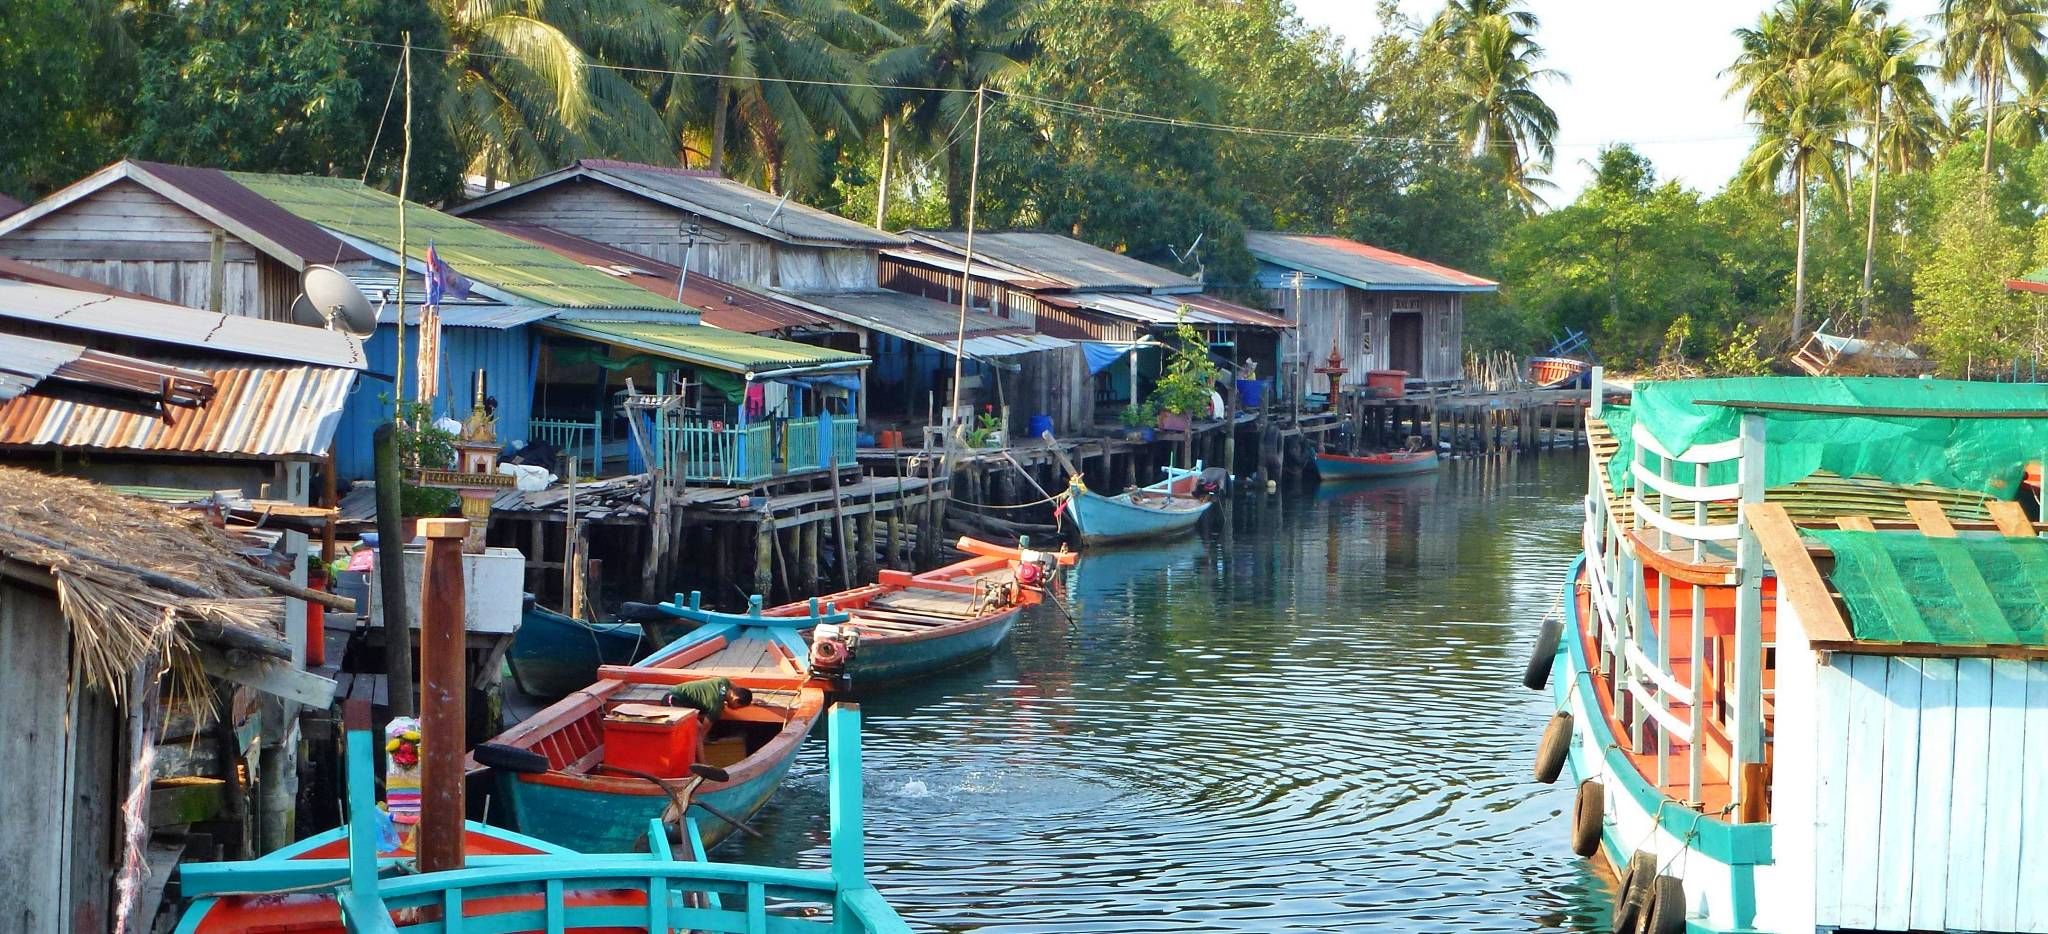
1308	718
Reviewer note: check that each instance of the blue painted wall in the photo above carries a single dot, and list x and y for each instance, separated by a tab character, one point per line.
507	356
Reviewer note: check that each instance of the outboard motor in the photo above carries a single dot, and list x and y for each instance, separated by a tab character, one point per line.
832	651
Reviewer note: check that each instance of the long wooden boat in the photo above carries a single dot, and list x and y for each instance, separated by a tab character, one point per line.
1170	507
1797	701
1375	466
343	881
907	625
1558	372
590	798
553	654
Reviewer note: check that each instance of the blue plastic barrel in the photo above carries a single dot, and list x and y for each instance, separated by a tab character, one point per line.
1039	425
1250	393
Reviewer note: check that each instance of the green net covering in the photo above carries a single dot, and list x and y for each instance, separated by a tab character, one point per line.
1905	430
1972	590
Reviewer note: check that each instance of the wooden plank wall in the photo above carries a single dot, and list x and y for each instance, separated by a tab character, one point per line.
129	237
1930	794
34	653
1365	318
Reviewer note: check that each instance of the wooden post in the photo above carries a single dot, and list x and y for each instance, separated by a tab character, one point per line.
839	537
764	556
895	555
391	575
569	539
217	271
443	692
864	547
807	560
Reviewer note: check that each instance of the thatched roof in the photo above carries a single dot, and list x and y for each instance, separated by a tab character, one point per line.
135	579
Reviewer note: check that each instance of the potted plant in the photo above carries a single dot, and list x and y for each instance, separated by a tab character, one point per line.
988	432
421	445
1183	389
1138	419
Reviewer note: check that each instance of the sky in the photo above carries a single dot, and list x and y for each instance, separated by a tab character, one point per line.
1646	72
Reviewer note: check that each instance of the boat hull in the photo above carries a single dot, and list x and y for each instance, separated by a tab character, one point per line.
1107	520
553	654
1372	467
575	813
1726	867
1560	373
880	661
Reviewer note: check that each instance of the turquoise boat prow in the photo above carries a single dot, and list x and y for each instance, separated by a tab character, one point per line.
1169	507
600	789
1375	466
345	882
553	654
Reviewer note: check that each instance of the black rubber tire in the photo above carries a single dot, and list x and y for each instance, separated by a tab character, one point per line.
1632	900
1667	907
1537	674
1552	750
509	759
1589	809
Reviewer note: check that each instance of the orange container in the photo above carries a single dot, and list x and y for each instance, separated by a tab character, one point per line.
1386	382
661	741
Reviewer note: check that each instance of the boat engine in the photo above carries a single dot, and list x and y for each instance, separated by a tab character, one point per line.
832	651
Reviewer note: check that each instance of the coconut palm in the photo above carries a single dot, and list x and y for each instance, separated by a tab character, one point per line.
1879	60
957	45
788	74
1502	115
525	95
1789	75
1990	41
2024	123
1459	17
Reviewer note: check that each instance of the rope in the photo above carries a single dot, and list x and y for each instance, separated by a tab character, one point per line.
1054	498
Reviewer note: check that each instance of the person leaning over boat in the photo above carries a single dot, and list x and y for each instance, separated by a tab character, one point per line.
711	697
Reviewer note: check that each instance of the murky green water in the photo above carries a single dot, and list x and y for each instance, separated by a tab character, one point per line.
1310	718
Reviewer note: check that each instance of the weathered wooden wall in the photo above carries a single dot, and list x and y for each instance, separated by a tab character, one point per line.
1359	324
129	237
58	801
599	212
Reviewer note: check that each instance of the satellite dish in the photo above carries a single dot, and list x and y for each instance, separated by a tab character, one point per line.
336	302
304	313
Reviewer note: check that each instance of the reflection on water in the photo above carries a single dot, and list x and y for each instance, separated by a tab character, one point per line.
1310	718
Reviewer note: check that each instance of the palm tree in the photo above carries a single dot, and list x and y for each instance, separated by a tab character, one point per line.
788	73
1788	71
1502	115
959	46
1880	57
1913	131
1990	40
525	95
2025	123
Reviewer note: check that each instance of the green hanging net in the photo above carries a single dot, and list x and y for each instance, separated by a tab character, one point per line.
1971	590
1922	443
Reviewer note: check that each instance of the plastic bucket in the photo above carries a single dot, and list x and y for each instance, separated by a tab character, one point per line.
1039	425
1250	393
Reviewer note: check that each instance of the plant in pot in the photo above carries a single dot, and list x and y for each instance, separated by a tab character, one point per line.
422	445
988	431
1138	419
1184	388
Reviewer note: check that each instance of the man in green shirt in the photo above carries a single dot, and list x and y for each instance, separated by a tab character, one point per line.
710	696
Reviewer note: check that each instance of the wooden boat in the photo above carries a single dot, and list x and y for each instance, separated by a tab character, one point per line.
907	625
1375	466
1558	372
1795	710
1169	507
340	881
553	654
590	798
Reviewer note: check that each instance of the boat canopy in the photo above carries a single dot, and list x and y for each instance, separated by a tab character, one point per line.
1903	586
1949	433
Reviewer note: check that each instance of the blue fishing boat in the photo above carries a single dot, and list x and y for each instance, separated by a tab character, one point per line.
614	752
907	625
1169	507
344	880
1375	466
554	654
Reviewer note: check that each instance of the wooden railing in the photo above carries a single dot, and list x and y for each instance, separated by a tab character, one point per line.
580	439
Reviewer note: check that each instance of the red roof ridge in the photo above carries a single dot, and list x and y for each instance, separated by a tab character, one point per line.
648	167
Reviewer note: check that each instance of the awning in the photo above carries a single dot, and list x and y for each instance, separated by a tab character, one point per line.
1102	355
931	323
749	355
1166	310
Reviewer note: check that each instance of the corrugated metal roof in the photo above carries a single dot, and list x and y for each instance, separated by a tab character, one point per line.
492	259
1359	265
26	362
301	238
723	304
476	311
1063	259
932	323
711	195
9	205
29	363
940	258
731	351
178	325
1165	310
256	411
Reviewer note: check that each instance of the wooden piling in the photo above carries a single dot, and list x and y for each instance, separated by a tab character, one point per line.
443	693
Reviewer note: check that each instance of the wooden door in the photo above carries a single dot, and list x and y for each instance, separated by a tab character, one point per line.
1404	342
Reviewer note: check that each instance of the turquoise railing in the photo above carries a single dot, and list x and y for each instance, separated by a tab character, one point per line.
810	439
701	453
633	892
582	439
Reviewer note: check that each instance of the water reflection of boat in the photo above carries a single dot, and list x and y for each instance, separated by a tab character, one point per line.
1763	669
1374	466
1166	508
1117	565
1381	488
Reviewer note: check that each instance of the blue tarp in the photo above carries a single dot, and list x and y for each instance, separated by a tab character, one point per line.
1102	354
843	381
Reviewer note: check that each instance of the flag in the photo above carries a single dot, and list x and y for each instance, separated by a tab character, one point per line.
442	280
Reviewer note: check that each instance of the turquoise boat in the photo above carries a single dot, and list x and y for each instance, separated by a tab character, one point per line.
905	625
1375	466
553	654
1170	507
613	756
344	882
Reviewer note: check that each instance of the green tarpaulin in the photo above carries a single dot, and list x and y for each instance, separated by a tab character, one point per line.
1972	590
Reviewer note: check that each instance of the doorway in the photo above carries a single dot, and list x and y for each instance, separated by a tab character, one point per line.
1404	342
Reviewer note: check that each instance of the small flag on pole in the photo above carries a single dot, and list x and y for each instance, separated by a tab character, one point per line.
442	280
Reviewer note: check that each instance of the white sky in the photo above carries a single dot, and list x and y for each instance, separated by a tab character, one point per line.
1646	72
